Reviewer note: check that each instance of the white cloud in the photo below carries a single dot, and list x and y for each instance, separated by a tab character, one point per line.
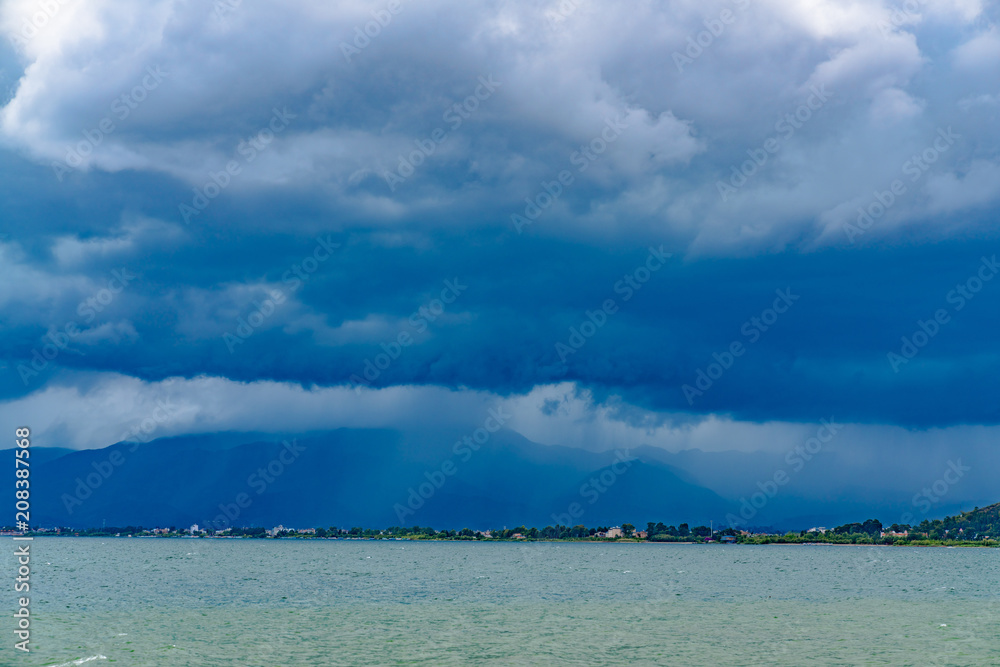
560	82
893	104
981	53
134	235
979	185
23	282
96	408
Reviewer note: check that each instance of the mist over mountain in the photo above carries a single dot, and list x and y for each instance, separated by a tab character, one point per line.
382	477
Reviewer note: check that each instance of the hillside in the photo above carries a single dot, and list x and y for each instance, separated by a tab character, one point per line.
982	522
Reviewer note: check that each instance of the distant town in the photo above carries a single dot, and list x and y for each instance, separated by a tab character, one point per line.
980	527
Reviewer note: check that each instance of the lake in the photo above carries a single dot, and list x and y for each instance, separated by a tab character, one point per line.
294	602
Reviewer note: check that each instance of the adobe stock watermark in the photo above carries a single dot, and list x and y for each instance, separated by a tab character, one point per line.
223	8
658	593
927	497
595	320
121	108
752	330
703	40
906	14
140	432
32	25
927	329
786	129
581	158
796	459
418	321
248	150
463	450
295	277
930	496
915	168
595	487
455	115
258	482
363	35
55	341
558	16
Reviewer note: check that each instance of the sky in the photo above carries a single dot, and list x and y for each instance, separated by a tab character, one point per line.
693	225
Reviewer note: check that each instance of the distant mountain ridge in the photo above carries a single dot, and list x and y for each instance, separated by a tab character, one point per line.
380	478
348	477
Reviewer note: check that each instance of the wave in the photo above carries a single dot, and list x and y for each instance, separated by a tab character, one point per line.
83	660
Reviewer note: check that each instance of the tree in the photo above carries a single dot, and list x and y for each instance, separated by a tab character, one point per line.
869	527
628	529
683	530
872	527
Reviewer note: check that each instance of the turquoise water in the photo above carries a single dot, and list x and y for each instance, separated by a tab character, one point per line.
283	602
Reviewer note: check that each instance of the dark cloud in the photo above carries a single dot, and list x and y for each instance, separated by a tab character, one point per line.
820	107
517	299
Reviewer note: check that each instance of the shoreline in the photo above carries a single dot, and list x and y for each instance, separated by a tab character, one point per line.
517	541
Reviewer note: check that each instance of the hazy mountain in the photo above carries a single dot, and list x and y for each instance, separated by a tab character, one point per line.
350	477
383	477
38	454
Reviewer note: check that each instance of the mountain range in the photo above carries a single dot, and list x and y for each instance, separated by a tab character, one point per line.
378	478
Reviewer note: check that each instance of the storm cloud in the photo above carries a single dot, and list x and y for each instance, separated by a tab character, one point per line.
651	220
